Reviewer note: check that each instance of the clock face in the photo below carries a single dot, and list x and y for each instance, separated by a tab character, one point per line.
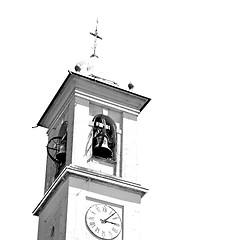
103	221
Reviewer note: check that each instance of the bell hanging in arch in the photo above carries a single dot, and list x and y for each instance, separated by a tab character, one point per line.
101	148
61	155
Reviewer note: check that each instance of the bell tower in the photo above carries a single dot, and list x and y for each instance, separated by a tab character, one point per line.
91	187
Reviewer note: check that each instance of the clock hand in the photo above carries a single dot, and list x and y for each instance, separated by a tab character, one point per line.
105	220
111	222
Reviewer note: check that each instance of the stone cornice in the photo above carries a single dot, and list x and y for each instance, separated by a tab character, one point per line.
93	89
88	175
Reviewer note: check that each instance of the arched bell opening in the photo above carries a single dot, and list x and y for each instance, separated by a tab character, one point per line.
104	137
57	148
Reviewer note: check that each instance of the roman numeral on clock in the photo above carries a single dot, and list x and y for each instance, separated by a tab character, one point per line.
97	207
104	209
110	234
114	230
92	224
92	212
112	212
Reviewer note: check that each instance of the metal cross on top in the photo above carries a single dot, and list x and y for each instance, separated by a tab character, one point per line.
96	36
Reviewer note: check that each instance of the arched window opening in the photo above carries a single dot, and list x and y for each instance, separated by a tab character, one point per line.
104	137
57	147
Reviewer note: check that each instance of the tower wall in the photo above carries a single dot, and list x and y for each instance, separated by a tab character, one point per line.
52	220
82	178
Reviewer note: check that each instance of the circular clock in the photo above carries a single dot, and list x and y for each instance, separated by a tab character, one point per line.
103	221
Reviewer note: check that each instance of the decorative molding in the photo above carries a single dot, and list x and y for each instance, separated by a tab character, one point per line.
104	102
87	174
93	90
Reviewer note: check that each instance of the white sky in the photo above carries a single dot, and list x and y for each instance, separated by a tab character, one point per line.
185	55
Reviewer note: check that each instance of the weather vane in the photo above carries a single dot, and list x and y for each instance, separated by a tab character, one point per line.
96	36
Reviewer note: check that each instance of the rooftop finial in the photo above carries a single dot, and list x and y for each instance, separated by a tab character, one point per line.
96	36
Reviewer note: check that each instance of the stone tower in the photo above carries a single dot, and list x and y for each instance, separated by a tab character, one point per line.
91	187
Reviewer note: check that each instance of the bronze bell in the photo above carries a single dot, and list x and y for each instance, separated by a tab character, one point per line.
61	155
101	148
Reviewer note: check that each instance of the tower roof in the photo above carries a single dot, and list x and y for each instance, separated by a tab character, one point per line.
96	89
